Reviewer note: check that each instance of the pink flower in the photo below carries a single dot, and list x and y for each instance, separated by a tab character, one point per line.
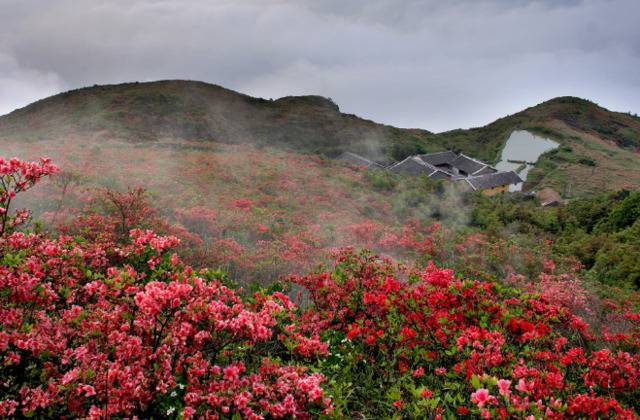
70	376
480	397
87	390
523	386
505	387
188	412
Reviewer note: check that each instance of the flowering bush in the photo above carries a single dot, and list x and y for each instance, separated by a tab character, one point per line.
423	343
149	337
100	325
17	176
80	337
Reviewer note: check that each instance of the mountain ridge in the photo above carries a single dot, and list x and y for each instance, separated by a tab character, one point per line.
197	110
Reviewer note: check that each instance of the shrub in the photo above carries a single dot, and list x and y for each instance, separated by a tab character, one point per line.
95	327
437	345
88	330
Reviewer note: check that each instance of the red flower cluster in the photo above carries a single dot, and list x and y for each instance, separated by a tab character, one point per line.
140	339
433	334
118	325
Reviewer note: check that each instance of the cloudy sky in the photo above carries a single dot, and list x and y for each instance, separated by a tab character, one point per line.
431	64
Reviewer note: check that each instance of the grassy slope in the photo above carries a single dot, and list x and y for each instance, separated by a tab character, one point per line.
259	212
143	112
600	153
600	147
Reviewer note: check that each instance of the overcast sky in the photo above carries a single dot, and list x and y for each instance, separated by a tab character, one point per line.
431	64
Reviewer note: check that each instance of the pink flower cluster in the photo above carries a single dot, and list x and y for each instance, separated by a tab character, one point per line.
88	331
17	176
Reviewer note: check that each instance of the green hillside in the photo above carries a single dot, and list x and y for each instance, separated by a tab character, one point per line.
599	147
145	112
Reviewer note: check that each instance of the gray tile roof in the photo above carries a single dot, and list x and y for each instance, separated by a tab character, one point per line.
486	170
483	182
413	166
439	158
467	164
478	175
440	175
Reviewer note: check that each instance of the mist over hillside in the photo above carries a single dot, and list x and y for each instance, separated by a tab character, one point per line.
146	112
600	147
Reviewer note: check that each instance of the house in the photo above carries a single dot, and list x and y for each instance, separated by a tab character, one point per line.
414	165
478	175
457	164
450	166
493	183
440	160
548	197
467	166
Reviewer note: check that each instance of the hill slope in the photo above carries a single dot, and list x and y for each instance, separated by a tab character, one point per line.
143	112
600	147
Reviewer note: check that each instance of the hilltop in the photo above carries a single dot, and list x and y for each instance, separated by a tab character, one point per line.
147	112
600	147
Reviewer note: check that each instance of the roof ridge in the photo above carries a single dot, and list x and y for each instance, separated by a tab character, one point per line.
414	158
493	174
484	166
417	159
399	162
470	184
473	159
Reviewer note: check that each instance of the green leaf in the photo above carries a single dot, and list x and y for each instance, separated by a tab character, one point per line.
475	382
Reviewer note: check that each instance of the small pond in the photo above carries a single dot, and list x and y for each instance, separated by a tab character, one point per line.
521	152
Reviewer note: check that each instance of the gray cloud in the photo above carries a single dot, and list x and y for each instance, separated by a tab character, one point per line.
431	64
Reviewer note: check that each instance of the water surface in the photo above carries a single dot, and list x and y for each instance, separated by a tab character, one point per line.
523	150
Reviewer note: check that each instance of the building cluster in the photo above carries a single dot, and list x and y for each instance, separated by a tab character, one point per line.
450	166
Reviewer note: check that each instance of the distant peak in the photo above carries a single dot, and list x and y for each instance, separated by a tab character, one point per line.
309	100
569	100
